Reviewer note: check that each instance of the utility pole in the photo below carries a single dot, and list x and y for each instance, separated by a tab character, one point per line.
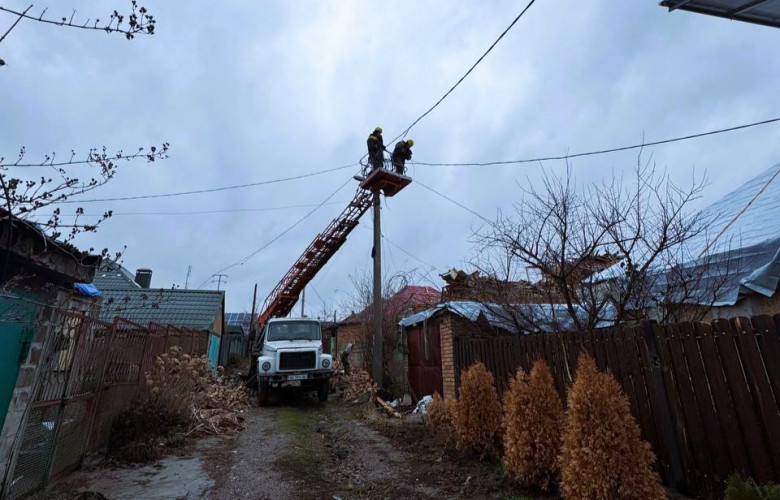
303	302
376	352
219	279
187	281
252	326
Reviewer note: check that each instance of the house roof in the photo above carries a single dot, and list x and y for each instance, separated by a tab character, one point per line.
196	309
766	12
113	276
740	252
34	251
409	298
525	318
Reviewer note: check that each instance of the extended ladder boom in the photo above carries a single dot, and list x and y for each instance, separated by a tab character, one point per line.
284	296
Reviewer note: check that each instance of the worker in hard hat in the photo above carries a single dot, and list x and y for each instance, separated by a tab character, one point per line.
401	153
376	146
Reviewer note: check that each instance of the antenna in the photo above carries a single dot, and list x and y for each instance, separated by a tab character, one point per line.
220	278
187	281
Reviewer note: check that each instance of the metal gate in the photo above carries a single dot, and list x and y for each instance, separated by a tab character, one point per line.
62	410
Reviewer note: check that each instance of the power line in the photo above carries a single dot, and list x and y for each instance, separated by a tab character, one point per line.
409	253
278	236
213	190
417	182
467	72
197	212
603	151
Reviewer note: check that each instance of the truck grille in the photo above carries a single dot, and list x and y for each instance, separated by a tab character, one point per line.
297	360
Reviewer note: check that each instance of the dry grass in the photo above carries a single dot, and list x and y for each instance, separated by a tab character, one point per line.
182	398
603	456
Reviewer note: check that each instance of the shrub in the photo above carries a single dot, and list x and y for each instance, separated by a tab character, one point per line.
738	488
478	413
603	456
441	416
533	417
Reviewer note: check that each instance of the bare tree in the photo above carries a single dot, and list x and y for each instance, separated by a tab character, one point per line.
395	308
600	254
139	21
35	191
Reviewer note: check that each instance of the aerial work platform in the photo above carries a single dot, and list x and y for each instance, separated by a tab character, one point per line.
385	180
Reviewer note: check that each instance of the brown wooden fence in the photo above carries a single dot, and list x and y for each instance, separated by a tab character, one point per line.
706	396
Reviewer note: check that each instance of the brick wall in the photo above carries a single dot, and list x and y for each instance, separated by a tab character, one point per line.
447	355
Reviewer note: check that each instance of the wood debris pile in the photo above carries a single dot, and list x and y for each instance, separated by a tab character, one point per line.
214	404
352	385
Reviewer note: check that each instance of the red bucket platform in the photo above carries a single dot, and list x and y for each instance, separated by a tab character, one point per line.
390	183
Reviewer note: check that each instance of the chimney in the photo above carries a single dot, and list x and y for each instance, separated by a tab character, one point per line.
143	277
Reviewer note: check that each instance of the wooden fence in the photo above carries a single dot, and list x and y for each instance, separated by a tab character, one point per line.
706	396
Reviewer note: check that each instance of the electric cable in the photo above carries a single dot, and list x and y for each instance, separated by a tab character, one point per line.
511	25
278	236
603	151
213	190
198	212
464	207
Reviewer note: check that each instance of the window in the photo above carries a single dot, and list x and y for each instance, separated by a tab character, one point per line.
294	330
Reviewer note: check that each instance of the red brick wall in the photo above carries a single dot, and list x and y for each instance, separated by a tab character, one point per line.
447	356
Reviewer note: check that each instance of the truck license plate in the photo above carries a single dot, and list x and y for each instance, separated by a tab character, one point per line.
297	377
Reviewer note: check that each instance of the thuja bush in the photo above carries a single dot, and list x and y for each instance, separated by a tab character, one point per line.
738	488
441	416
603	456
533	420
478	413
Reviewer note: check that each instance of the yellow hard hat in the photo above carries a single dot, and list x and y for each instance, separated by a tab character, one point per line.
410	142
378	129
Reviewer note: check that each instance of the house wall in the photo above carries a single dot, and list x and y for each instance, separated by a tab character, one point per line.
752	305
352	333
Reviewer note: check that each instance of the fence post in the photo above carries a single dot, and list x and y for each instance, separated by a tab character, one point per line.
663	405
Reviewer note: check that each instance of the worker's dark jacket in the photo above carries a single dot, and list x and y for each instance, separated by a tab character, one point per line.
401	153
375	148
375	144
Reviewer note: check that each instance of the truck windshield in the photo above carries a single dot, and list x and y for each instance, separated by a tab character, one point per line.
294	330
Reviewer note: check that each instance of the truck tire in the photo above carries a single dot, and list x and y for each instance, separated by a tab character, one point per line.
323	388
263	393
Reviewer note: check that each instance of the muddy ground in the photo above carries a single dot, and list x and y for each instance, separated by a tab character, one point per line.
302	450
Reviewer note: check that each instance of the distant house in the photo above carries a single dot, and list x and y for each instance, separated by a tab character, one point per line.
354	328
132	298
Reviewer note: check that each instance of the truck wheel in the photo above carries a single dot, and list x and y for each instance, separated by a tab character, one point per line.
322	390
263	393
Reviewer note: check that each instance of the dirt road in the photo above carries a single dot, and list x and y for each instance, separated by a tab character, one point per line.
302	450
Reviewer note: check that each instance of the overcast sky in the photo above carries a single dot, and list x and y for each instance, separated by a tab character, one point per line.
251	91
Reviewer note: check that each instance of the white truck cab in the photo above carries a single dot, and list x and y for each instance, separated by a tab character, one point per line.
291	357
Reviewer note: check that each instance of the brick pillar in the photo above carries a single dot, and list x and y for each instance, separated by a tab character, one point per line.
447	356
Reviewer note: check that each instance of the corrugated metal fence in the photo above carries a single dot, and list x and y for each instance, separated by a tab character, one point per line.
90	372
706	396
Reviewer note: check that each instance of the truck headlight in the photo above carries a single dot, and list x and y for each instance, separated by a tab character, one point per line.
325	363
266	366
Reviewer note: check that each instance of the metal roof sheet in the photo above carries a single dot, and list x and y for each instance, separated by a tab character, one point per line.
765	12
196	309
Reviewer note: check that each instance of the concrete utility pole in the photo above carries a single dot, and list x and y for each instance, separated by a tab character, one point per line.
252	327
376	353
